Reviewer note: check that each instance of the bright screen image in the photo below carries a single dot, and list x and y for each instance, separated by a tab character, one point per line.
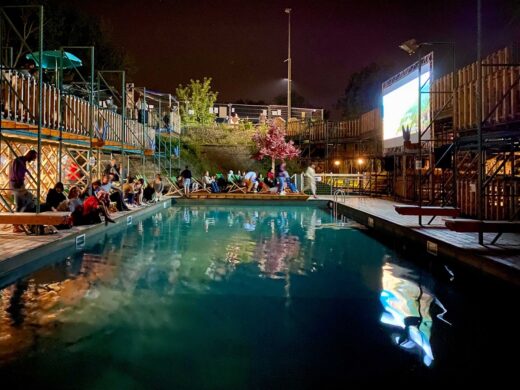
400	102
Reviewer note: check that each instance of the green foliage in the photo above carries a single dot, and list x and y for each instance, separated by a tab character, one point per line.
197	97
363	91
225	135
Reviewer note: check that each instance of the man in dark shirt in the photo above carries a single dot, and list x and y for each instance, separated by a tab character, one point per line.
54	197
186	175
23	199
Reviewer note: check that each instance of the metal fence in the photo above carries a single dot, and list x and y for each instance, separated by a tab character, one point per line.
254	113
353	184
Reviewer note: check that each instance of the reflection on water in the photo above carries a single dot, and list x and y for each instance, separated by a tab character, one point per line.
407	306
279	297
178	249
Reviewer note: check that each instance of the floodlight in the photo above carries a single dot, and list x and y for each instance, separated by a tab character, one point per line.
410	46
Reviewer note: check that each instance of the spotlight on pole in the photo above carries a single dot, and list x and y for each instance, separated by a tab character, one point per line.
410	46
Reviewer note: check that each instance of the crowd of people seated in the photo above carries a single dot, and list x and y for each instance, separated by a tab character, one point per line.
89	205
277	181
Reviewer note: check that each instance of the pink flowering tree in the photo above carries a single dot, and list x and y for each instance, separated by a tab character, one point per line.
273	144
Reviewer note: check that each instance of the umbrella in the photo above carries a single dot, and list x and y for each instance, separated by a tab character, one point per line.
51	59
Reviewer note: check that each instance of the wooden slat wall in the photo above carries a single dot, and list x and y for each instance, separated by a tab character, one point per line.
20	94
496	83
501	198
371	121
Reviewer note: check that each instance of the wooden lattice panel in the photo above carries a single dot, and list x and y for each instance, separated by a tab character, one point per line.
9	150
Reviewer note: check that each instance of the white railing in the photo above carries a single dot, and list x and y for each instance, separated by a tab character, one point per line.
368	183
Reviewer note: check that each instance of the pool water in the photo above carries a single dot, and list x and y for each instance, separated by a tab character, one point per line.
255	296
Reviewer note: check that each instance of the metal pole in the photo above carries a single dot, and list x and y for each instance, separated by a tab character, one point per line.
40	106
159	139
91	125
419	131
1	75
123	120
60	126
480	177
454	154
289	81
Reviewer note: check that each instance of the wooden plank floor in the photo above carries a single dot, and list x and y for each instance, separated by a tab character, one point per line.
505	251
14	244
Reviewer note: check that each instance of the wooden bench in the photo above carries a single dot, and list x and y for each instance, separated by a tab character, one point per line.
475	226
45	218
433	211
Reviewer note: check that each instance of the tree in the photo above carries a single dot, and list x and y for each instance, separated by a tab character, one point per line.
363	91
196	100
272	144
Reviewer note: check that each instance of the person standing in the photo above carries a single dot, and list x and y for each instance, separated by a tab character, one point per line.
281	175
310	176
186	176
23	199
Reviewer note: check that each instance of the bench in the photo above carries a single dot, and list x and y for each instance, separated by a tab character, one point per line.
476	226
433	211
45	218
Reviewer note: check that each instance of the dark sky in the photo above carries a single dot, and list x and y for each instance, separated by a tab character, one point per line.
242	44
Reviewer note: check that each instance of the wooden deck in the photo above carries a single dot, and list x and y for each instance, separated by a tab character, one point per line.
249	196
501	259
19	249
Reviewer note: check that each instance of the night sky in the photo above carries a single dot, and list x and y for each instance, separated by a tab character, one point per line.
242	44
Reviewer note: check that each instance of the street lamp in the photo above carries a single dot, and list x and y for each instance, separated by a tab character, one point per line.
288	60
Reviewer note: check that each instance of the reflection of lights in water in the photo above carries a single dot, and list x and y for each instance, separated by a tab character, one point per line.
34	309
275	253
233	254
407	306
186	215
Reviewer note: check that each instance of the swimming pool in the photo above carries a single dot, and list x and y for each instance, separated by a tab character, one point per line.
249	296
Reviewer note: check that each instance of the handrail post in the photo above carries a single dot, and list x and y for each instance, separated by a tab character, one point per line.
40	105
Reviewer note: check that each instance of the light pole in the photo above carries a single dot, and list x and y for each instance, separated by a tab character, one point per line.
289	80
412	47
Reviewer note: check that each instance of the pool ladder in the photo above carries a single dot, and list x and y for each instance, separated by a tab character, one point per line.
338	194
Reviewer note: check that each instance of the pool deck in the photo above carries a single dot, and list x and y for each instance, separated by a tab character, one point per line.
20	249
501	259
249	196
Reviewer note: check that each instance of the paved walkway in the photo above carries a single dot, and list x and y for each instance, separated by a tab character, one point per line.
506	251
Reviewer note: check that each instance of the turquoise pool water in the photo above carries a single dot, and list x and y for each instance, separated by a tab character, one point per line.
254	296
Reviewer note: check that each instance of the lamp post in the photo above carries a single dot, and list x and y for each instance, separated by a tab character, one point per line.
288	60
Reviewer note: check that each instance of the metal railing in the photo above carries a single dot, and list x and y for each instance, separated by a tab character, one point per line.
359	184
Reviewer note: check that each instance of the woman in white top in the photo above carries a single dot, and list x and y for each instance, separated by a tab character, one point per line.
206	180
